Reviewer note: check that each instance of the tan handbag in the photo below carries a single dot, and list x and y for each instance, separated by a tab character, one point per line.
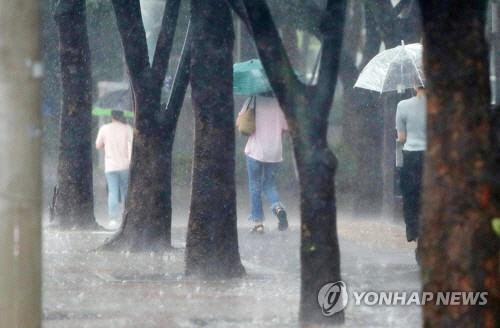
246	119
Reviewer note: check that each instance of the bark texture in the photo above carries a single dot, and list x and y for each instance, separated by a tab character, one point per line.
460	251
147	219
74	201
306	109
212	239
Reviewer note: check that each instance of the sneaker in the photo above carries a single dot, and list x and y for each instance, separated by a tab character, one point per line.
281	215
258	228
113	224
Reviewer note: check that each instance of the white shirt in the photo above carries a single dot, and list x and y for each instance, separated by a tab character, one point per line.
116	139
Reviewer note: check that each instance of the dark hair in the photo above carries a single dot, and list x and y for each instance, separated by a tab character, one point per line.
118	116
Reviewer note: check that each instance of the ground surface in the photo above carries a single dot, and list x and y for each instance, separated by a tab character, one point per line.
83	288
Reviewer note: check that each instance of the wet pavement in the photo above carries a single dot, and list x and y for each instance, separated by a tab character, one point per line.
84	288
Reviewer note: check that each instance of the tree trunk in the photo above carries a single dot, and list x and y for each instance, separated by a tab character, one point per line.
460	251
306	109
147	219
74	203
148	209
212	239
319	249
20	165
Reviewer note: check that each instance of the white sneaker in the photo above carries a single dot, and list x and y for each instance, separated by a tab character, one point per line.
113	224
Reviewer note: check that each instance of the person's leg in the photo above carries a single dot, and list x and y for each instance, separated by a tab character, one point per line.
269	186
123	184
254	169
113	180
271	191
411	192
418	170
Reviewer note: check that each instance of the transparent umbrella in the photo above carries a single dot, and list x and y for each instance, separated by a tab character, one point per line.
394	69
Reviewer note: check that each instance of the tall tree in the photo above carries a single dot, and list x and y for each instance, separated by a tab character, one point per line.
460	251
306	108
148	209
20	165
74	201
212	239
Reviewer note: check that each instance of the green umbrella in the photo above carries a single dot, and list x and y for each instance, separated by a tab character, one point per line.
249	78
99	111
114	100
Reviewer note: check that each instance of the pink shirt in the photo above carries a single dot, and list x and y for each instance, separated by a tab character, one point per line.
116	139
265	143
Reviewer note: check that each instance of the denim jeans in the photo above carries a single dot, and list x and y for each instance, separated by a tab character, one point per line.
117	191
262	178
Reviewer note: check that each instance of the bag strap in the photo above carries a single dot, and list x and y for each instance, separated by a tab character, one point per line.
249	103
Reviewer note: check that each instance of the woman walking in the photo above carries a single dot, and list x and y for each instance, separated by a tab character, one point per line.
264	152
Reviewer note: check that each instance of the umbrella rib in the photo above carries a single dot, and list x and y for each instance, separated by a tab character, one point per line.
416	69
385	78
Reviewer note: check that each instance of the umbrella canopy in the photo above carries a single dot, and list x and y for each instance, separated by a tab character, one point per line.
115	100
249	78
393	69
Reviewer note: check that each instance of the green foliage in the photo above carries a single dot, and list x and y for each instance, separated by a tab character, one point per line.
495	224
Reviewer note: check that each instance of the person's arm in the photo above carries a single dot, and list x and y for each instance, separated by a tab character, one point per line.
400	125
401	137
99	142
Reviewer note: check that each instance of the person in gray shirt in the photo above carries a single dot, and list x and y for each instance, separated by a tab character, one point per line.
411	129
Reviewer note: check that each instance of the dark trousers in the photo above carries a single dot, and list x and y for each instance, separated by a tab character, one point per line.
411	185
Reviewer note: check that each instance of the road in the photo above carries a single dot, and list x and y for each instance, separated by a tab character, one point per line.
84	288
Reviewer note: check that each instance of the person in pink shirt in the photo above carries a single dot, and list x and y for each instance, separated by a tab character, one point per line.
264	152
116	140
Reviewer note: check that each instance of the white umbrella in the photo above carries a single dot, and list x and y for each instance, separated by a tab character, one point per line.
393	69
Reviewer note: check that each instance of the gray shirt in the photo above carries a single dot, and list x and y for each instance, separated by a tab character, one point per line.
411	119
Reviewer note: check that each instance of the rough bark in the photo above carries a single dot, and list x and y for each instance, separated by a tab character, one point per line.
74	202
306	109
20	165
460	251
148	211
212	239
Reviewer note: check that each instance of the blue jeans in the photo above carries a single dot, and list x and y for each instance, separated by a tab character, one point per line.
117	190
262	178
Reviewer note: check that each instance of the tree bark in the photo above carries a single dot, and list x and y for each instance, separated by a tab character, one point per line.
460	251
212	239
147	219
74	203
306	109
20	165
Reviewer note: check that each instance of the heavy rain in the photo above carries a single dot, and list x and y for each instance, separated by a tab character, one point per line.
249	163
